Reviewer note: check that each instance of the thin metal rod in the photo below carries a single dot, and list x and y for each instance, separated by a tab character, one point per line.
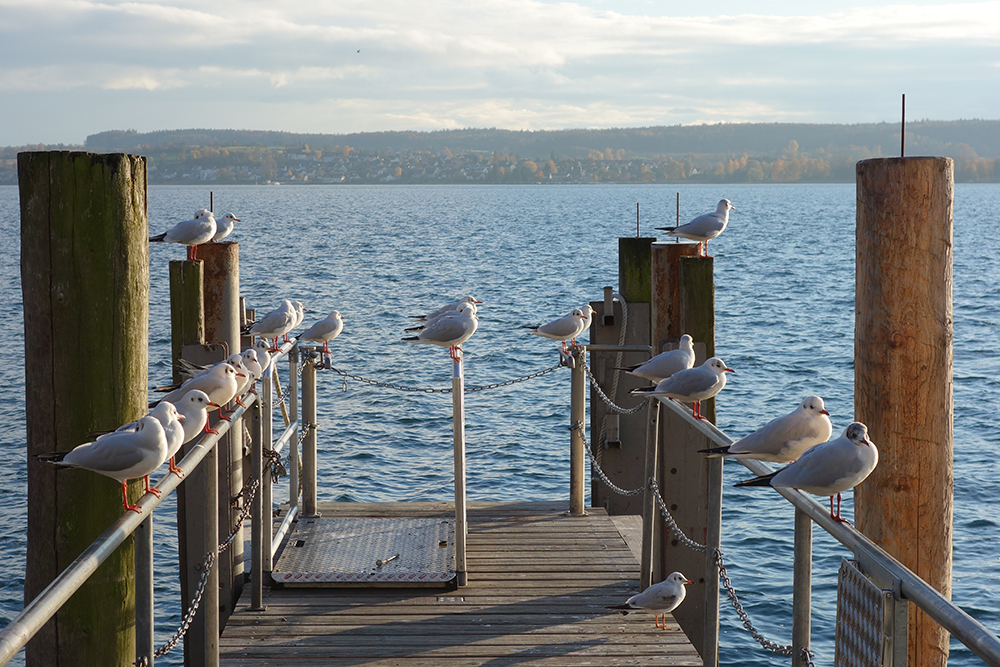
309	419
649	511
257	512
295	474
801	588
144	591
578	414
952	618
458	430
637	219
713	539
38	612
266	490
902	130
279	535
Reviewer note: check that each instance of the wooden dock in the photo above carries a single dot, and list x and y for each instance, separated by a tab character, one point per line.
538	583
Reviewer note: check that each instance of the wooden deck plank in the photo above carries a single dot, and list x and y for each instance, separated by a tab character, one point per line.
539	582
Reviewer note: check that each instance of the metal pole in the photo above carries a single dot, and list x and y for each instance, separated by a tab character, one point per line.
257	511
801	587
309	444
577	417
458	429
294	484
713	539
144	591
267	437
649	509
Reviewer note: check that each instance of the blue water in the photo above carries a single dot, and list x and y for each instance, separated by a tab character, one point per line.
785	319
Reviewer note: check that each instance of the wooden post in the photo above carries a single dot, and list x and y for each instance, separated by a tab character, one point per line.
683	302
85	284
577	418
187	309
222	327
634	269
903	372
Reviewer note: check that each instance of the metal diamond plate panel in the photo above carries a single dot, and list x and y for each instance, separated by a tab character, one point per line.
368	551
860	618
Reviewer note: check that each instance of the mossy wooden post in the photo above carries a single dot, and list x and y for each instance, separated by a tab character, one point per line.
222	327
683	302
85	282
903	372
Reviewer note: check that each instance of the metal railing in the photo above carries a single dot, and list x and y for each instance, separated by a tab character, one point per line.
44	606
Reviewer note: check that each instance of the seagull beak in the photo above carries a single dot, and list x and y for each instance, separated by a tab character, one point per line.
688	581
824	412
181	417
730	370
241	375
214	405
237	220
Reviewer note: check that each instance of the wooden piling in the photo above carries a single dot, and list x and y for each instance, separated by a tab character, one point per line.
903	372
187	309
222	327
85	284
634	269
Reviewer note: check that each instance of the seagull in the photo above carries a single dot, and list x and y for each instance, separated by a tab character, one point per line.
300	314
276	323
448	307
783	439
193	407
120	455
263	355
325	330
692	385
224	227
422	324
449	331
171	420
661	598
565	328
704	227
250	360
827	469
219	382
666	363
191	233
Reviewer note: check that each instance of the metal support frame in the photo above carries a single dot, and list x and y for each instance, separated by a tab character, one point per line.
578	415
309	418
257	511
144	591
801	588
458	429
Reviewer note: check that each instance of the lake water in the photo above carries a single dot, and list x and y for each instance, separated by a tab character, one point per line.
785	320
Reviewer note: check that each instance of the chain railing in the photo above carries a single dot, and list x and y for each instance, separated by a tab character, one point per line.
430	390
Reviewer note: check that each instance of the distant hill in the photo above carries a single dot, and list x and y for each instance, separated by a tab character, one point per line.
963	138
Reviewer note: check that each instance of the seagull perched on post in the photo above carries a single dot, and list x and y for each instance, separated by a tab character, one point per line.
449	331
224	226
704	227
661	598
192	233
565	328
325	330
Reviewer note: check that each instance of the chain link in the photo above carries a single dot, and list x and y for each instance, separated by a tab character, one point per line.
744	617
675	529
426	390
579	428
611	404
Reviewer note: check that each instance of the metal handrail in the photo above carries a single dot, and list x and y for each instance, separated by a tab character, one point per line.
970	632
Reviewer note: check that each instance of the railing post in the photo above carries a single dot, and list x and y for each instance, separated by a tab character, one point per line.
650	512
458	429
266	490
295	474
801	588
577	417
144	591
257	516
309	423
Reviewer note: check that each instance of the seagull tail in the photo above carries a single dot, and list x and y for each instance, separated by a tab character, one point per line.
640	391
622	609
627	368
420	328
715	452
533	327
410	338
667	229
763	480
158	238
245	329
56	458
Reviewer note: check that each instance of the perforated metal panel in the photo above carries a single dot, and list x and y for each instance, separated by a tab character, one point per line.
864	616
348	552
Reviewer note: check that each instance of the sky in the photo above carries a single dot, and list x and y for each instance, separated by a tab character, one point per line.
70	68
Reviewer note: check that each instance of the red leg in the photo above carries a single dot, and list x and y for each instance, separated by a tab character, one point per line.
837	517
239	402
151	489
209	429
222	415
326	347
173	467
125	503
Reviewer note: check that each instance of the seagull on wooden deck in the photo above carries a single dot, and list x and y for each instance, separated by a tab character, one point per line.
325	330
191	233
120	455
666	363
783	439
827	469
704	227
692	385
661	599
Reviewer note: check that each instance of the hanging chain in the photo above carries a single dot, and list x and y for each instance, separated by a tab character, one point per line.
611	404
674	528
759	638
579	428
468	389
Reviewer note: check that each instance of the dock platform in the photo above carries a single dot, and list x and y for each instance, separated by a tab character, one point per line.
538	584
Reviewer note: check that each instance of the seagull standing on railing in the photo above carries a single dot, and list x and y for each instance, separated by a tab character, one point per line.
191	233
783	439
224	226
565	328
666	363
325	330
263	356
704	227
276	323
828	469
250	360
219	382
693	385
449	331
120	455
448	307
661	598
194	408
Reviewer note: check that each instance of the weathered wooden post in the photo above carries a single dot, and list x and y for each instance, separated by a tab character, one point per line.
683	302
222	326
577	418
85	284
903	372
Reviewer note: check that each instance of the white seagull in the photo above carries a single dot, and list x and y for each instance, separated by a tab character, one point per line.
263	355
666	363
252	363
449	331
783	439
704	227
565	328
447	307
194	408
224	226
428	319
191	233
692	385
171	420
219	382
276	323
661	598
827	469
120	455
325	330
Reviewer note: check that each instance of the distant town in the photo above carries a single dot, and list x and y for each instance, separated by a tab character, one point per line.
762	153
